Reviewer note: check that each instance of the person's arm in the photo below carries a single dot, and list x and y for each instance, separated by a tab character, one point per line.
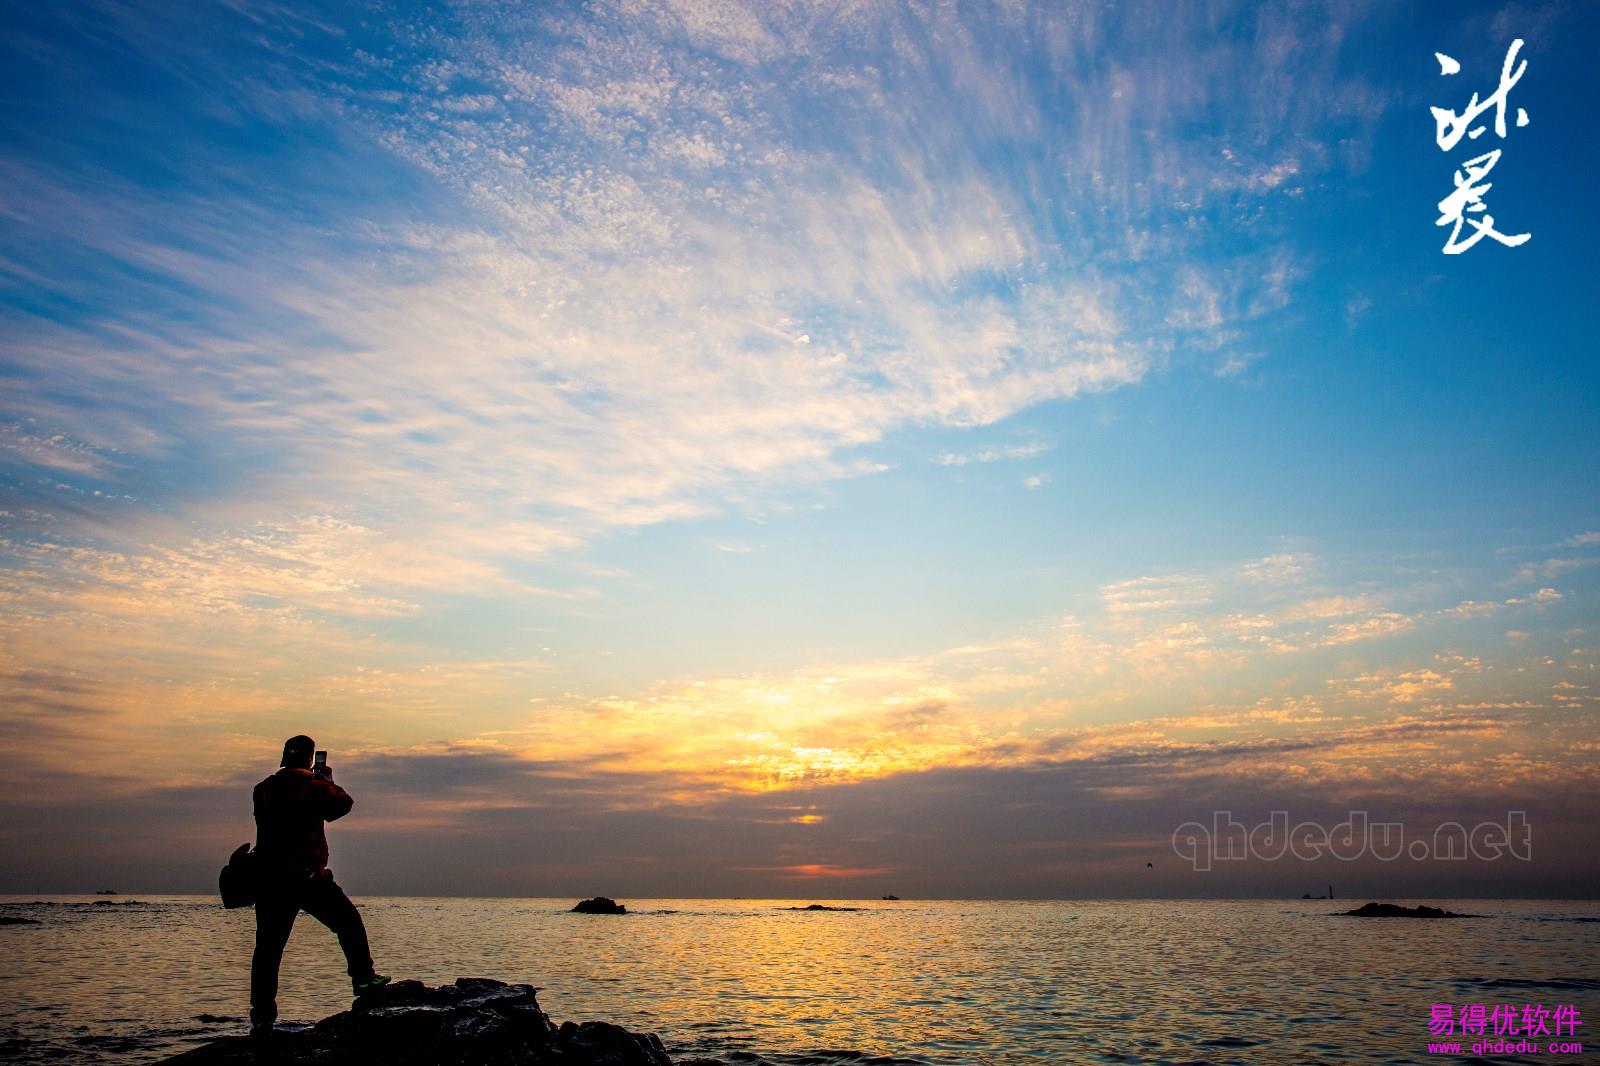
334	801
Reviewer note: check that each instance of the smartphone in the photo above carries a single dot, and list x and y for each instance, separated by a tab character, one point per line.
319	765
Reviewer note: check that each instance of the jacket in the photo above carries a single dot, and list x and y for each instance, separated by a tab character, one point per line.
290	808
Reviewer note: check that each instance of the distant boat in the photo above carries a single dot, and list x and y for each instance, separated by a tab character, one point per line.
105	892
1328	896
891	895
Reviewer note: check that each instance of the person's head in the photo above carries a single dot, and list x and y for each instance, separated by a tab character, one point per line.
297	752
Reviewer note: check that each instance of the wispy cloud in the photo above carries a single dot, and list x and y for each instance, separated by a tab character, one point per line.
1278	568
993	454
637	288
1155	593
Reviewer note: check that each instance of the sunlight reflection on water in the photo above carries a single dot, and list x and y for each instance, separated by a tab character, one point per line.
937	982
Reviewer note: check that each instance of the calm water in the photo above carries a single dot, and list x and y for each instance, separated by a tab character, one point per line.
935	982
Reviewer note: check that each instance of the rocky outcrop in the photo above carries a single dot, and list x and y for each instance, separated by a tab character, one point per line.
820	907
475	1021
600	905
6	919
1394	910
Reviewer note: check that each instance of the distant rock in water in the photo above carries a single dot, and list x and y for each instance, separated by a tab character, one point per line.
820	907
473	1021
600	905
8	920
1394	910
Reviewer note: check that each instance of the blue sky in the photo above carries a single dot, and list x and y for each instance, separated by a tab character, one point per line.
727	401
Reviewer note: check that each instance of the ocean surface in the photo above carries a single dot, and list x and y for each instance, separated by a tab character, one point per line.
750	982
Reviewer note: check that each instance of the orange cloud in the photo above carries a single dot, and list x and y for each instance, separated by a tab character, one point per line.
817	871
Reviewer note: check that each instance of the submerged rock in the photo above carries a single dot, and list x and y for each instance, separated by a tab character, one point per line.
1394	910
600	905
474	1021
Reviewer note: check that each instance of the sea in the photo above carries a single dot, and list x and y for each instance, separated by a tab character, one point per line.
126	980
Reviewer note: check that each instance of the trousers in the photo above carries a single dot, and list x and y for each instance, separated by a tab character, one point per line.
279	900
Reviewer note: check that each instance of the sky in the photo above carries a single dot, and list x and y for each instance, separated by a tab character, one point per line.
803	449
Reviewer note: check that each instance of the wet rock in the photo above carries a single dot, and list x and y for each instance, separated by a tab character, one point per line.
474	1022
604	1044
1394	910
600	905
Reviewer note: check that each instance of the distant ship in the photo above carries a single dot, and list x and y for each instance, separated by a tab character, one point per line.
891	895
1328	896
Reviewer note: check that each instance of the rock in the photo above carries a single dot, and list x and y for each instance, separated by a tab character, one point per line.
8	920
821	907
474	1022
604	1044
600	905
1394	910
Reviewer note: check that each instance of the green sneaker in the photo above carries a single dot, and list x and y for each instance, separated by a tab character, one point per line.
371	984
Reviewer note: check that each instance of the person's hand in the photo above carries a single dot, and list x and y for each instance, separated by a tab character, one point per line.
324	771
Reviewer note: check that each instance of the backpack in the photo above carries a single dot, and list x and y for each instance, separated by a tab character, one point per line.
237	881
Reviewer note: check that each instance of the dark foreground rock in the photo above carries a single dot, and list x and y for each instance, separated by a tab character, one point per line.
474	1022
1394	910
6	919
600	905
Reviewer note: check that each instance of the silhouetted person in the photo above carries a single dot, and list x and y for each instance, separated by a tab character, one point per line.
293	876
